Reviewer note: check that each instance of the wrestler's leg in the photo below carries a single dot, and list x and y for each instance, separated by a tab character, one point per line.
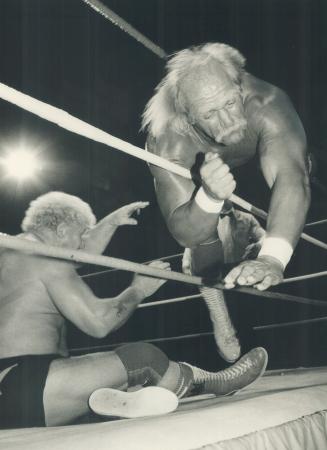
207	260
71	381
185	379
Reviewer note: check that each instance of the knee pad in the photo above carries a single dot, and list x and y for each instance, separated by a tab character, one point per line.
144	363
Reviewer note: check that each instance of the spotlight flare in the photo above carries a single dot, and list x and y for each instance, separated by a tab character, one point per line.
21	164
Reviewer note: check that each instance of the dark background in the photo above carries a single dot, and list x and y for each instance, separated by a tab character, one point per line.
64	53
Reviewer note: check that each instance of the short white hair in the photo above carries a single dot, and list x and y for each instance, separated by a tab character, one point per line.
166	107
51	209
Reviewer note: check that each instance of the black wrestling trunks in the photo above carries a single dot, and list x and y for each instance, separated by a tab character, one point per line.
21	399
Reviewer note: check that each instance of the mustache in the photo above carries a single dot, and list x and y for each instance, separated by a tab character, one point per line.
237	127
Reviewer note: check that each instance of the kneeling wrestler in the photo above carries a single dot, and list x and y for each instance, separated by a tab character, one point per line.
41	385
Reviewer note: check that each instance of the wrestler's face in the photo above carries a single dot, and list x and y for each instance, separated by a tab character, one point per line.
215	106
73	236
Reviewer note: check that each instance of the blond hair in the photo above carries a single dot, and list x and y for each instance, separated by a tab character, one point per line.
166	107
53	208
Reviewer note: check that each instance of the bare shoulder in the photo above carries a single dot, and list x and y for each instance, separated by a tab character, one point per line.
175	147
270	109
54	269
259	93
32	266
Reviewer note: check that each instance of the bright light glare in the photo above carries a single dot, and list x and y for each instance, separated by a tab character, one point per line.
21	164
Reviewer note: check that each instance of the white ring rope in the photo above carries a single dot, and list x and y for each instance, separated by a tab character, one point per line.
102	272
39	248
309	276
71	123
75	125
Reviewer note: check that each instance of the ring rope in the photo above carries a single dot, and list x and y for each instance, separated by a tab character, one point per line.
102	272
318	222
108	14
170	300
116	143
192	336
114	18
164	339
72	255
196	335
20	244
289	324
189	297
167	258
250	291
305	277
71	123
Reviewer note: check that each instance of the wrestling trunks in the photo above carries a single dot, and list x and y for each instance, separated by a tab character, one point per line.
21	399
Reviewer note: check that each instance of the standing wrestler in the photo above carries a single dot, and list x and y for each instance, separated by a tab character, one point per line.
209	112
40	383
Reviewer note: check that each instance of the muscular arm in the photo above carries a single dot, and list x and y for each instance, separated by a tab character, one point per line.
100	235
77	303
282	151
283	158
187	222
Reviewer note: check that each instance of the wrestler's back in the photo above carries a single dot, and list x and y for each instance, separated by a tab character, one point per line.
29	321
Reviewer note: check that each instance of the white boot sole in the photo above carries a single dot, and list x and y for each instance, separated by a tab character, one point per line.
149	401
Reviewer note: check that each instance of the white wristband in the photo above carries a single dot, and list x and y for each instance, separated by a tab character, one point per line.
207	203
278	248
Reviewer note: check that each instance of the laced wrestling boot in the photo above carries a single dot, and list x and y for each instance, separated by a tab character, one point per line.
225	335
228	381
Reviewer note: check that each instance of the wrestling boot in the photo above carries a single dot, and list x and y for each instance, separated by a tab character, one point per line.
225	335
228	381
148	401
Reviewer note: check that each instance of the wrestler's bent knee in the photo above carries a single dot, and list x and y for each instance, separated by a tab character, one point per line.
144	363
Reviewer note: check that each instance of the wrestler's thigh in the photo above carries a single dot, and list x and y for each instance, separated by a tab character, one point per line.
71	381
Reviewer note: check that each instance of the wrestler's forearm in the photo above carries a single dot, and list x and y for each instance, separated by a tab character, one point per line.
191	226
100	236
116	311
289	204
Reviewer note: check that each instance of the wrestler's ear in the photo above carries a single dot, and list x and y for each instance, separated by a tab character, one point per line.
61	230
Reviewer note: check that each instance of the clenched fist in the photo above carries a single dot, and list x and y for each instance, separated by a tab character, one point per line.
217	181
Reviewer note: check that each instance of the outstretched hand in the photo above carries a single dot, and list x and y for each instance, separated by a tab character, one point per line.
123	216
261	273
149	285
